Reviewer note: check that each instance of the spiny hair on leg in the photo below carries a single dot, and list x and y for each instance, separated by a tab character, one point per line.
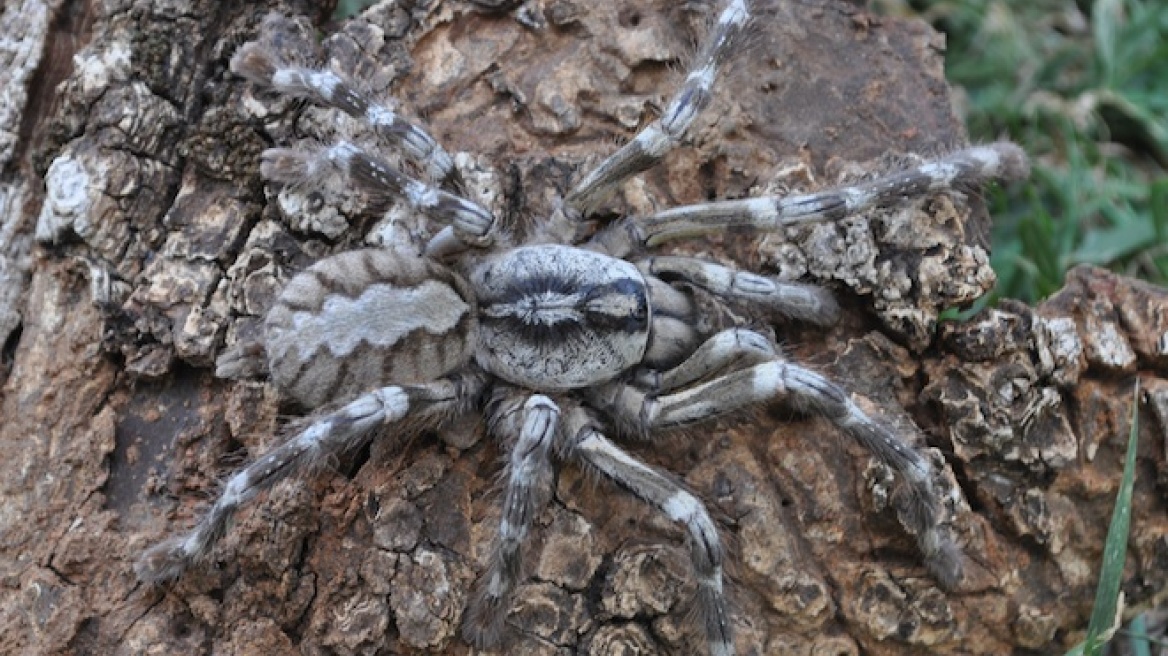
380	180
281	43
724	40
655	140
665	493
708	556
967	170
916	500
267	65
528	488
920	510
315	439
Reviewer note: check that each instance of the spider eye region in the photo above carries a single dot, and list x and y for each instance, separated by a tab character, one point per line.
557	318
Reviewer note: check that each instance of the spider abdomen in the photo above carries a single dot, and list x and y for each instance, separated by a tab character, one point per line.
556	318
365	319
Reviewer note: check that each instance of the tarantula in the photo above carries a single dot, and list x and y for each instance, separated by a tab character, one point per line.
560	342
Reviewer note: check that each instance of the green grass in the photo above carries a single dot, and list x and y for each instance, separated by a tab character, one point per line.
1083	87
1108	609
350	8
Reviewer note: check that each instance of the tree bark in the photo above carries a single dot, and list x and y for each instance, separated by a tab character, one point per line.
157	244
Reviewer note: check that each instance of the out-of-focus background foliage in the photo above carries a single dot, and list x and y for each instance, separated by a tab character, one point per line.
1082	85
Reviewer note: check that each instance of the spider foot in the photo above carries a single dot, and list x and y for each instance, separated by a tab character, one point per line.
163	562
919	511
485	618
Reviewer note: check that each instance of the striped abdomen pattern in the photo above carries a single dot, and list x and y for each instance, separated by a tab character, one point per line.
365	319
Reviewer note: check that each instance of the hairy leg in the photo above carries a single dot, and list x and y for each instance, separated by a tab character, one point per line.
596	452
789	299
471	223
662	135
734	348
414	408
963	169
529	479
780	380
263	63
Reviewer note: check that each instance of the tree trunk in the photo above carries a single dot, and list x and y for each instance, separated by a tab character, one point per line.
138	240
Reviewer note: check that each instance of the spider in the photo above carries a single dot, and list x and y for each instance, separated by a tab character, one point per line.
566	342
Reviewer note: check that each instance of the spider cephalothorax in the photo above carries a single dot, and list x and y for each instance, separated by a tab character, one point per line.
558	342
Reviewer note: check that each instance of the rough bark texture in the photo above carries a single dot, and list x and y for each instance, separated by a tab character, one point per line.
157	245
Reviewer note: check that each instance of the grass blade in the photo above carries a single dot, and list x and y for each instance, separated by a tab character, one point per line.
1137	639
1105	617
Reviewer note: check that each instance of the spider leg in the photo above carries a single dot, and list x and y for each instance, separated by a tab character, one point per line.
444	244
965	168
673	333
471	223
344	429
659	137
529	487
259	63
593	450
734	348
790	299
777	380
